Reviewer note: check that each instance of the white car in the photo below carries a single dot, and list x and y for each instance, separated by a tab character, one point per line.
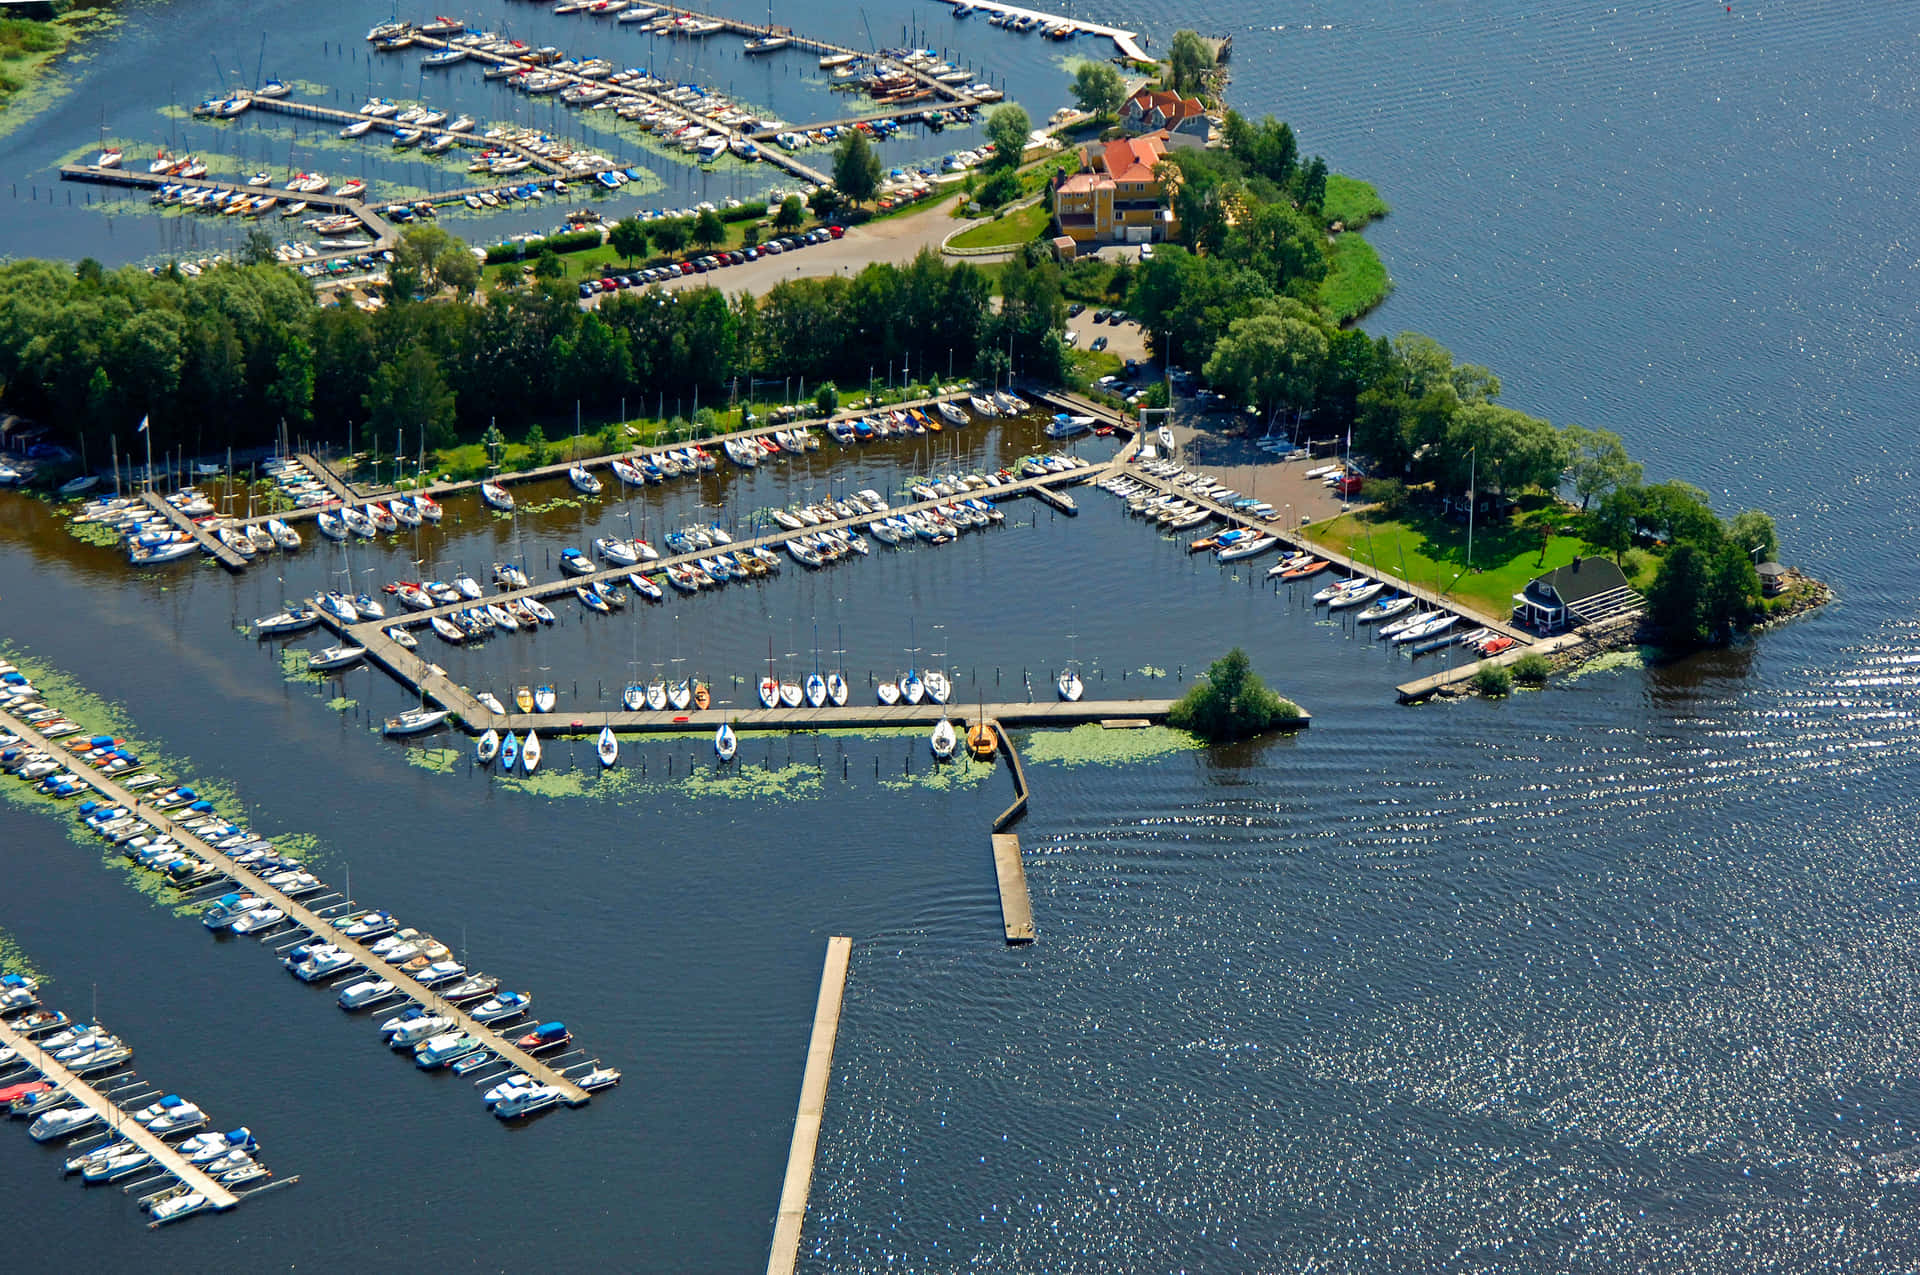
1146	252
1072	337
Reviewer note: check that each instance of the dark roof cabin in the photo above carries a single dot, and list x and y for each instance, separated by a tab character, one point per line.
1585	591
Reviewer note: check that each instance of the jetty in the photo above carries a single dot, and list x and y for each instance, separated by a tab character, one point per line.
1424	688
1016	909
785	1253
208	542
218	1197
1292	538
1128	42
299	914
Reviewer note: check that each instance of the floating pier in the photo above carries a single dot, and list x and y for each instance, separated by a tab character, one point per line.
1126	41
207	541
785	1253
322	928
218	1197
1424	688
1016	909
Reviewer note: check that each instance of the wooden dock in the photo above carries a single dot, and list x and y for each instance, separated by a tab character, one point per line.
115	1120
384	235
785	1253
1292	538
826	717
1016	909
1018	768
387	126
210	543
299	914
1426	687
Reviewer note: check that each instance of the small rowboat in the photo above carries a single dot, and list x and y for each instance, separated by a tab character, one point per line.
1311	567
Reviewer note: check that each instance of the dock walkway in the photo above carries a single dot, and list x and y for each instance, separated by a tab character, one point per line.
322	474
826	717
207	541
116	1121
1016	907
1292	538
1126	41
320	927
384	235
334	115
1425	687
785	1253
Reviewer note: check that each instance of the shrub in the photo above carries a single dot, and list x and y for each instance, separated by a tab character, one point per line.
1530	670
1002	187
752	210
1231	702
826	400
1493	681
1389	493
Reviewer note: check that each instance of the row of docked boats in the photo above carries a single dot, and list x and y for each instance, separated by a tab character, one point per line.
338	521
170	828
152	537
1205	487
750	452
123	1141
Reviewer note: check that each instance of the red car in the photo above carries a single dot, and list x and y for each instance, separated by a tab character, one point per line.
836	231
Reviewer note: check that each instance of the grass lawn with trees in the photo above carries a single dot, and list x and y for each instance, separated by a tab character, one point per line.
1430	551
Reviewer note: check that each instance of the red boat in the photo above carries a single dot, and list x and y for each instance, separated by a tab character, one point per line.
544	1037
12	1092
1312	567
1493	646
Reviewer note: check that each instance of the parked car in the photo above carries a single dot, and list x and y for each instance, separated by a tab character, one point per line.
835	232
1075	310
1099	343
1146	252
1100	316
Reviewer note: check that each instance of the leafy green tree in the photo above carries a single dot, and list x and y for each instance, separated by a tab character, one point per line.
671	235
628	237
1098	88
825	201
1599	463
1270	361
790	214
1231	702
1188	61
538	451
1008	129
549	266
1610	525
456	267
1753	532
1500	449
1003	187
1286	246
826	400
409	392
291	393
708	229
856	168
258	249
1310	184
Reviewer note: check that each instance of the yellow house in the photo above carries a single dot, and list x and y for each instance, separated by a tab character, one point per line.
1116	197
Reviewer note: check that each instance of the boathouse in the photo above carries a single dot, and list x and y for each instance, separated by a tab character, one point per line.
1585	591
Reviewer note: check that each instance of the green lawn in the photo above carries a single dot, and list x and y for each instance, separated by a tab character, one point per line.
1351	202
1432	553
1005	232
1356	280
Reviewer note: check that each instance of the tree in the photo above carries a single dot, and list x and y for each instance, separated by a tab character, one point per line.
628	237
1188	61
1500	449
826	400
825	201
258	250
1008	128
548	265
291	393
536	445
708	229
790	214
1231	703
1310	184
671	235
1599	463
1610	525
456	267
856	168
1098	88
1753	532
409	392
1270	361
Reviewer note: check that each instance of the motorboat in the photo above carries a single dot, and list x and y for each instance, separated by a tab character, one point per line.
526	1102
61	1123
500	1005
944	740
578	563
449	1047
530	752
413	1031
547	1036
607	747
469	988
334	657
366	992
1069	686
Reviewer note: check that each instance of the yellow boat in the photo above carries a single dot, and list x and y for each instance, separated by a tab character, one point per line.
981	740
702	697
523	696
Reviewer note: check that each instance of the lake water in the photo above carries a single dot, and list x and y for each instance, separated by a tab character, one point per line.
1611	976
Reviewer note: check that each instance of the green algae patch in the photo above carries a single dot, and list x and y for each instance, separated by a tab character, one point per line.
440	761
341	703
1607	663
14	961
953	777
1098	746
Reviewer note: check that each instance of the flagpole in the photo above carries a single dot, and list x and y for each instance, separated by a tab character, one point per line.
1473	474
144	423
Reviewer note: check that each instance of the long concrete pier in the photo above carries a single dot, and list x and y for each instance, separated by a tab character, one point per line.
1016	908
116	1121
1128	42
320	927
785	1253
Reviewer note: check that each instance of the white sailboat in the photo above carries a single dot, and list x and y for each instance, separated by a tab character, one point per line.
530	752
724	742
944	740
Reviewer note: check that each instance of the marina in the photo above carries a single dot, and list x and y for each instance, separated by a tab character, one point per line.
326	923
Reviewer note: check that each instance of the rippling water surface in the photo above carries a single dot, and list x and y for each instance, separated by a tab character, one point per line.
1614	976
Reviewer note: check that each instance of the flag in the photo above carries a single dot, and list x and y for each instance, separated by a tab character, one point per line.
143	426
